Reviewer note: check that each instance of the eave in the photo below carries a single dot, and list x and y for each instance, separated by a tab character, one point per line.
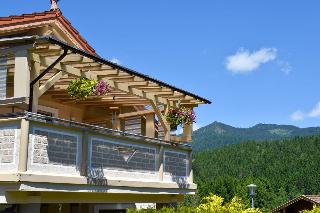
81	63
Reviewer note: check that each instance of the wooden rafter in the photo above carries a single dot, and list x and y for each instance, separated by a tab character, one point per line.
77	65
46	86
162	120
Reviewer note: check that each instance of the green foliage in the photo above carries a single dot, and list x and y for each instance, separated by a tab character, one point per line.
210	204
314	210
218	134
214	204
172	117
282	170
82	88
164	210
180	116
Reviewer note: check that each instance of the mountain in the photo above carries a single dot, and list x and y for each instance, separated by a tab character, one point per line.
218	134
282	170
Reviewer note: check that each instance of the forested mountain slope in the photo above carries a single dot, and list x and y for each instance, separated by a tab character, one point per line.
281	170
219	134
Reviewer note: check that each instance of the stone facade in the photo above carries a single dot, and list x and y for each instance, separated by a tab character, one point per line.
175	164
7	145
54	148
109	155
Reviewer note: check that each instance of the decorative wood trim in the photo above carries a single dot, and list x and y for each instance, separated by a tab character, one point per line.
162	120
44	87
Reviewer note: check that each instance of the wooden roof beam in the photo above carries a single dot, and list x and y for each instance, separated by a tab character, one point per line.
136	113
65	68
46	86
125	87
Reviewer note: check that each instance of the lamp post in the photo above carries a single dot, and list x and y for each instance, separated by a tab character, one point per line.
252	189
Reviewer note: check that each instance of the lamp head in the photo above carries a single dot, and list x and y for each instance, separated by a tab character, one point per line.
252	189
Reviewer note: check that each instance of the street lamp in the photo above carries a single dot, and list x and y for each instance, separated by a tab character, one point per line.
252	189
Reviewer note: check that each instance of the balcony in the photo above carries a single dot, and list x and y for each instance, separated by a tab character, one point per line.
44	153
114	148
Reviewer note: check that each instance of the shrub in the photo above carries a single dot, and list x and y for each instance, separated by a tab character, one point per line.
314	210
210	204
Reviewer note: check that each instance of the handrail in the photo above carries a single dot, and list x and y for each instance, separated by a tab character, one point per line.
54	120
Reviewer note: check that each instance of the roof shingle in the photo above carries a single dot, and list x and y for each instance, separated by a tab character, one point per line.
46	16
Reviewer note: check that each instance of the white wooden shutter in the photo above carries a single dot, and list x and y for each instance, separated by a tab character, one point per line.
3	77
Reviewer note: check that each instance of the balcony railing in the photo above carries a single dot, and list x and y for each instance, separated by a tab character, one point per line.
62	147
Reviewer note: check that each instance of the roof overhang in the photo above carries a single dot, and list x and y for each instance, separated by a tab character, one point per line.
129	86
310	198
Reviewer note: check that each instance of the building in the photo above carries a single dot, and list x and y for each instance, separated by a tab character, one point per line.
304	202
94	155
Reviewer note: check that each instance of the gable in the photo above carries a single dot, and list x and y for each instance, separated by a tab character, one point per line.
43	24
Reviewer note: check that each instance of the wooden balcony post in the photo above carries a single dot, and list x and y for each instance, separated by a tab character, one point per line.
116	124
187	132
24	142
187	129
150	125
84	153
35	72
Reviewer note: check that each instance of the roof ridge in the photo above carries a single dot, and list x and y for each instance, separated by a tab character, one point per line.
30	14
45	15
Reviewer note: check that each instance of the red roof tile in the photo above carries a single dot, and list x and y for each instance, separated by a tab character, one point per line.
46	16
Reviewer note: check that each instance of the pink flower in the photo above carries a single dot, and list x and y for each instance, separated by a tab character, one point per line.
102	88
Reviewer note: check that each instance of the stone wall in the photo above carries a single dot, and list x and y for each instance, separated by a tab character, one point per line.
7	145
54	148
58	151
119	156
175	164
54	151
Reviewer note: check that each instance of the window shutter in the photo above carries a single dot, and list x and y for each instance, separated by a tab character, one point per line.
3	77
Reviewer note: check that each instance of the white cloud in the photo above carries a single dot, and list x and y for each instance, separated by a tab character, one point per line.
285	66
244	61
299	115
116	61
315	112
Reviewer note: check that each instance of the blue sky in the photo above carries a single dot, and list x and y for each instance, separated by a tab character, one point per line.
258	61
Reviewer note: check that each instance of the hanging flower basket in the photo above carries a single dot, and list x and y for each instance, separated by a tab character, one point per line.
180	116
102	88
82	88
172	118
187	116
